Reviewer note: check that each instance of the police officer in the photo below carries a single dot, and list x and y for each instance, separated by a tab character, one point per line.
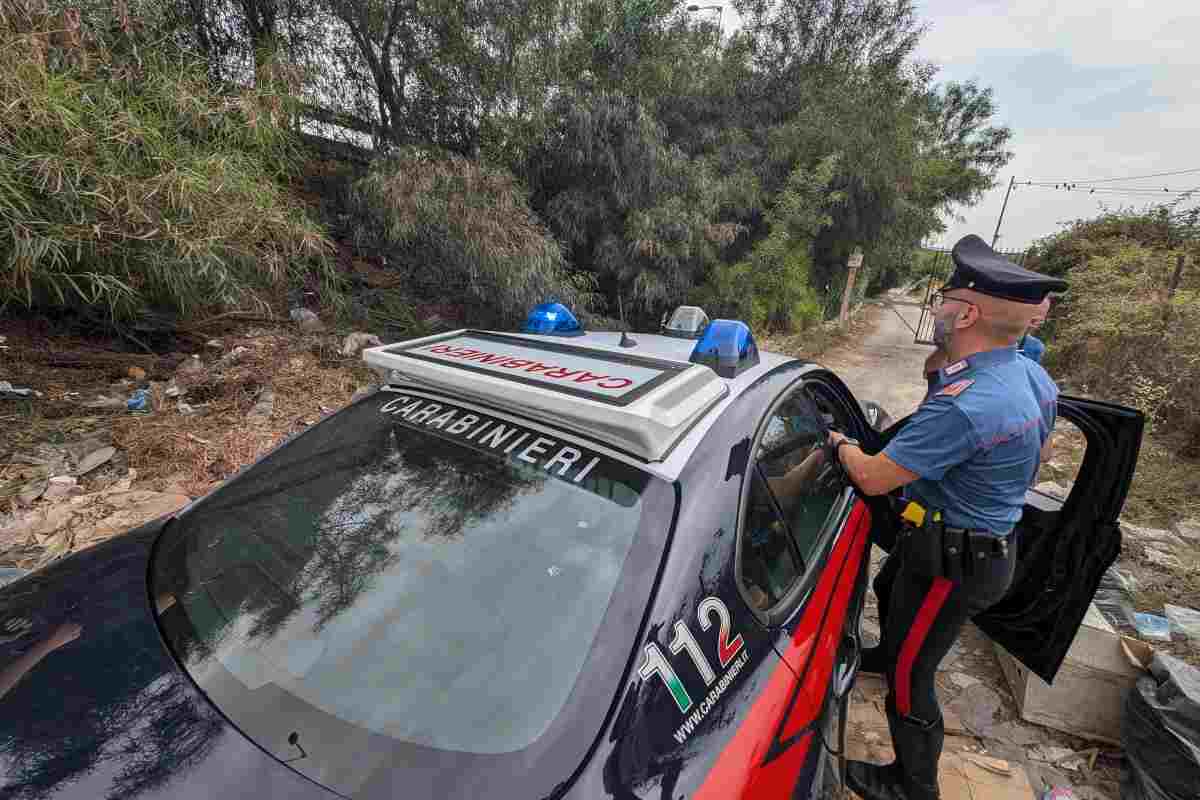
964	460
1030	345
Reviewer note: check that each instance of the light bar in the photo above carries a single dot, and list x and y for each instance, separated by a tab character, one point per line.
636	403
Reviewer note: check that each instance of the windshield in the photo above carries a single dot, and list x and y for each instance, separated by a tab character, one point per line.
409	567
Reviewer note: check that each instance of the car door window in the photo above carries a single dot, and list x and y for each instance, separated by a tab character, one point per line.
1058	471
792	457
768	563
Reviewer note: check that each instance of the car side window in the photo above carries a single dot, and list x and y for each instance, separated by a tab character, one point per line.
768	563
792	458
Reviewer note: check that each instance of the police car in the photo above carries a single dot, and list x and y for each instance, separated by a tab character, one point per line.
554	564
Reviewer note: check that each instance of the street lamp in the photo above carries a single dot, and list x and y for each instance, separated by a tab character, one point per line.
720	16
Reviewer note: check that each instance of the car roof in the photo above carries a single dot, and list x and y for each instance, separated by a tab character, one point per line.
658	414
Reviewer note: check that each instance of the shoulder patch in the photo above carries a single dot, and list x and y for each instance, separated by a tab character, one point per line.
956	388
956	367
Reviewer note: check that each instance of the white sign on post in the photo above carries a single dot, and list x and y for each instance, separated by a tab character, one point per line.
853	262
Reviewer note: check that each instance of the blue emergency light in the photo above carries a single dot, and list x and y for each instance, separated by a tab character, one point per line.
727	347
552	319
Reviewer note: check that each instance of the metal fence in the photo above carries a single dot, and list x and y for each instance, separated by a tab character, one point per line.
940	271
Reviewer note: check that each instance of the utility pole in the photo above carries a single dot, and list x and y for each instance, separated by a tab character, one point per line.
996	235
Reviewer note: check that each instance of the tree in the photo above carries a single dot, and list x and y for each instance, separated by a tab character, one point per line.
807	80
440	71
791	37
911	151
630	207
771	287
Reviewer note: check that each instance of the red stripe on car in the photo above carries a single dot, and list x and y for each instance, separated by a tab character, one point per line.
751	765
815	680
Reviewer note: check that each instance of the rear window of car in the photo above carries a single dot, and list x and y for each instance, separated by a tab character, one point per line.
411	567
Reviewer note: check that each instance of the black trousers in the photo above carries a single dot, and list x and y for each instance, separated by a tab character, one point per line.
920	618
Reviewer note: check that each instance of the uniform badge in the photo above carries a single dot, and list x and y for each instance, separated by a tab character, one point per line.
956	367
956	388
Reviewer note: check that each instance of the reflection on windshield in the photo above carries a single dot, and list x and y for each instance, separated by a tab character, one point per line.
440	592
116	715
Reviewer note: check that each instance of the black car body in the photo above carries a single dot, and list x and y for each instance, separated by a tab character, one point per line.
393	604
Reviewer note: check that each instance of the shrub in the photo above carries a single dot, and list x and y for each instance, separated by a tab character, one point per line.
1059	253
729	294
887	267
127	182
463	229
768	291
1117	333
771	288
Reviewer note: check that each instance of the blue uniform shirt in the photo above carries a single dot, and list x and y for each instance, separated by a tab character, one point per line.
976	440
1032	348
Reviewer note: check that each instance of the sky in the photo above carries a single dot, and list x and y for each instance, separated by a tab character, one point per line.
1090	89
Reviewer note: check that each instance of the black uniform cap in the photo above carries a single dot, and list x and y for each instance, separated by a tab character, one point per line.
981	269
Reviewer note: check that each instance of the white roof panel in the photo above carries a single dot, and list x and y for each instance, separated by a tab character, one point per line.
639	403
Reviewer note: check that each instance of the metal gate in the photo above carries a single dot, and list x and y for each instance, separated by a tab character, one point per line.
939	273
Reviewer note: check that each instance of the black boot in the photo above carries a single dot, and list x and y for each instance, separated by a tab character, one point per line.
873	660
913	775
876	781
919	747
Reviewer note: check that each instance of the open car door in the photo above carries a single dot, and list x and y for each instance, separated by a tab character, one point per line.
1064	546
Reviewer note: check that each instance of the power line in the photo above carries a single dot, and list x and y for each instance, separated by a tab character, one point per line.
1074	186
1132	177
1141	197
1127	190
1080	186
1168	198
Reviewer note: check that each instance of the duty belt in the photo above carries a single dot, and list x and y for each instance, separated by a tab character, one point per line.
944	549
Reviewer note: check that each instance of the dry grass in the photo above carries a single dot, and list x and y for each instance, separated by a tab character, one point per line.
307	377
164	451
472	221
816	341
57	416
1165	488
307	374
109	210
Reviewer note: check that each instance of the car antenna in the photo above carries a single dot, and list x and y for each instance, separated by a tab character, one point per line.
626	340
294	741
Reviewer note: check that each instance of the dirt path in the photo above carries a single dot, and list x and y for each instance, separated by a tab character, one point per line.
885	365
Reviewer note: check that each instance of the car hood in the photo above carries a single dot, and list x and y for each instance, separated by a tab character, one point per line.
92	704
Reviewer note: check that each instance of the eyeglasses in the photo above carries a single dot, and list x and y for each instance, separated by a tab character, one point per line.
940	298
